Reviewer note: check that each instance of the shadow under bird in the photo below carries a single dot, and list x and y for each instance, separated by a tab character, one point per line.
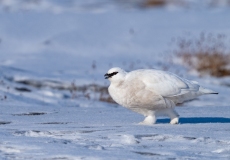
152	92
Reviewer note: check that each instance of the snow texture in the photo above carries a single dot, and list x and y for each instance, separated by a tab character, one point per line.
47	47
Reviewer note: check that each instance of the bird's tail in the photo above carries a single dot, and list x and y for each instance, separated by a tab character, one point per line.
207	91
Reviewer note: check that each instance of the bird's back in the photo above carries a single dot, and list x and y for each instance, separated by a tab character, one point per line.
168	85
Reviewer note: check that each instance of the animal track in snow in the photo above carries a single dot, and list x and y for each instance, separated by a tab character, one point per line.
30	114
4	122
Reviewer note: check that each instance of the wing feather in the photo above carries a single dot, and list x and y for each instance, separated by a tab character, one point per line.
164	83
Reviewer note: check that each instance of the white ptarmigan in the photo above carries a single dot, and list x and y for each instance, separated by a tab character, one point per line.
152	92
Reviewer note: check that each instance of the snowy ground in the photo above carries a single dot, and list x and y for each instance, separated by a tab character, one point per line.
47	47
102	131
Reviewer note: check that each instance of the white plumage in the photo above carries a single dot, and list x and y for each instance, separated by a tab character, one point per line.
152	92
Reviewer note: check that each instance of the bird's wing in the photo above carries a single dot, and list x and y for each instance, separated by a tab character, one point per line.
163	83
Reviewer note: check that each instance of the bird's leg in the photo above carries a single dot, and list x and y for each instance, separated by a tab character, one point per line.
149	120
174	116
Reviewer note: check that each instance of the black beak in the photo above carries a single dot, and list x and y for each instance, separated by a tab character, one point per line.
106	76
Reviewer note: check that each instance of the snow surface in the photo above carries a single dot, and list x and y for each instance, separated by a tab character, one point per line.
48	46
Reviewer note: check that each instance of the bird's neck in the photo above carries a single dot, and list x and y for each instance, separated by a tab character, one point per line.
117	84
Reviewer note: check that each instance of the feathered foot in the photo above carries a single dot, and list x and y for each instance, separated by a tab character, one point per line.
174	116
174	120
149	120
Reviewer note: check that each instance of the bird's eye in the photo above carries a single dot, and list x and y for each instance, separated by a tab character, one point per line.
109	75
112	74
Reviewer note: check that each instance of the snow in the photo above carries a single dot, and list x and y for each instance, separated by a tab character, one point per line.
54	53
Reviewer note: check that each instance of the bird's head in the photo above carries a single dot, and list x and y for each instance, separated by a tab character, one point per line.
115	75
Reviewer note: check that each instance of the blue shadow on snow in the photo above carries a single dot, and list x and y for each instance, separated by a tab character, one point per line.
184	120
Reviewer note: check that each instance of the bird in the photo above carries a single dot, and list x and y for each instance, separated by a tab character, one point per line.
152	92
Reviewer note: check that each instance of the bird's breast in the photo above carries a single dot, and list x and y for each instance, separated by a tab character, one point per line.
118	95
